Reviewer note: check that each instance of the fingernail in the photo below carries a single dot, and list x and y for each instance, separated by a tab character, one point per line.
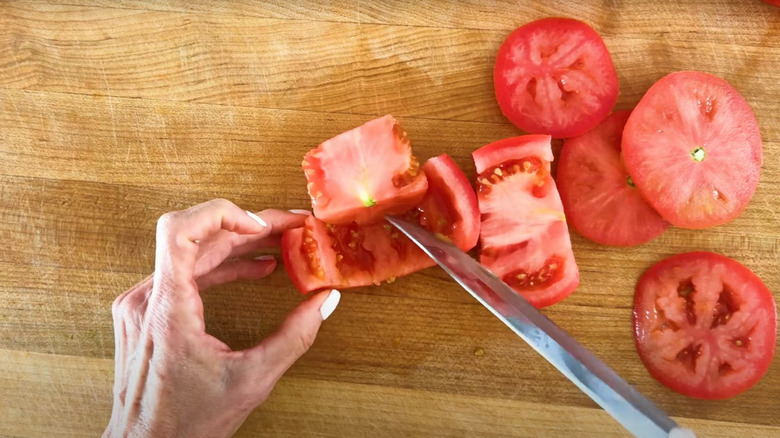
257	218
303	212
330	304
265	257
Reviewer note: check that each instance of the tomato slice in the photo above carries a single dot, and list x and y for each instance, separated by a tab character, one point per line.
599	197
524	236
693	147
705	325
363	174
321	255
555	76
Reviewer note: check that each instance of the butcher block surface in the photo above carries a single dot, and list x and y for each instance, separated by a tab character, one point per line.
115	112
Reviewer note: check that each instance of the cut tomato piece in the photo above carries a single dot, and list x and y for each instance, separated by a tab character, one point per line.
555	76
705	325
693	148
524	236
321	255
599	197
363	174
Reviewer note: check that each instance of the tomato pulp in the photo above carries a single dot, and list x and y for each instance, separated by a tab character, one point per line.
363	174
524	238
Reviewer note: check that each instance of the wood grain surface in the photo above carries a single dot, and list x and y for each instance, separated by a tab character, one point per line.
115	112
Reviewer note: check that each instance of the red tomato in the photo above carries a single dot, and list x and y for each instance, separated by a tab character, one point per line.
598	196
705	325
693	147
554	76
524	236
363	174
321	255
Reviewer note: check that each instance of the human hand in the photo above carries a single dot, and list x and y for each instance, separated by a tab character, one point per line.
172	378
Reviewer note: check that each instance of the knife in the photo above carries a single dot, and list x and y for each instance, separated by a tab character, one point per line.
624	403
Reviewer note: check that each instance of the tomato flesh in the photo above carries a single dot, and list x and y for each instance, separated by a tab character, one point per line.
363	174
705	325
321	255
555	76
693	148
598	195
524	238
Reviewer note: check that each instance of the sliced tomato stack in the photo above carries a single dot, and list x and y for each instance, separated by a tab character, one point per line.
524	236
322	255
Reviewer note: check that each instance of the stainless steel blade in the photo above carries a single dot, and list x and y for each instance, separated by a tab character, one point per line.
630	408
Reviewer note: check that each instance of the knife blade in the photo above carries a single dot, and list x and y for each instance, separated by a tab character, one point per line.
622	401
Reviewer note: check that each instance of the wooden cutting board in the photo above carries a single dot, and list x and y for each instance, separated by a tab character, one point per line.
112	113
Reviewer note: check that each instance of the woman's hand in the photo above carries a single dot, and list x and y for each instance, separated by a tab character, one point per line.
173	379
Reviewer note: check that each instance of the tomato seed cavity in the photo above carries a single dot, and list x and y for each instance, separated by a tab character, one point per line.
725	308
689	355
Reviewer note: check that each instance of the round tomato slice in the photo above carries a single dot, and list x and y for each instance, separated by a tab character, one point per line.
321	255
599	198
705	325
555	76
363	174
524	238
693	148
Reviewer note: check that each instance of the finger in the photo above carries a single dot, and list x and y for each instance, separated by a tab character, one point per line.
224	244
179	233
264	364
238	269
247	248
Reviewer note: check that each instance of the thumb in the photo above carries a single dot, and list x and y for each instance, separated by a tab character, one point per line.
266	362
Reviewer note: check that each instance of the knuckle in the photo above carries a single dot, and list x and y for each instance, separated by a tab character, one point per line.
305	341
166	220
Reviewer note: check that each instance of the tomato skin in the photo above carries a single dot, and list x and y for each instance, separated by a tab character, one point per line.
594	187
555	76
524	238
363	174
704	324
682	114
352	255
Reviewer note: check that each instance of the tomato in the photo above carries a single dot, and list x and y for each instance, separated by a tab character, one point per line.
321	255
705	325
693	148
555	76
363	174
598	196
524	238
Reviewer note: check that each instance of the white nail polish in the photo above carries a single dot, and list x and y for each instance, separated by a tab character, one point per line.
265	257
330	304
303	212
256	218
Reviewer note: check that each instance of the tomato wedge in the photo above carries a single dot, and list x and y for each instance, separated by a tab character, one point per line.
321	255
363	174
524	236
599	197
705	325
693	148
555	76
